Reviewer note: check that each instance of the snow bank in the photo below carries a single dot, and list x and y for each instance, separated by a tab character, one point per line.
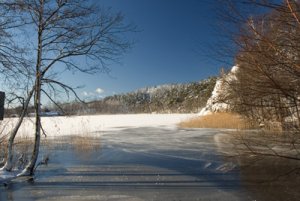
74	125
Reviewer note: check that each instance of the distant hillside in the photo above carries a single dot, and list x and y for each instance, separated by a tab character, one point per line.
170	98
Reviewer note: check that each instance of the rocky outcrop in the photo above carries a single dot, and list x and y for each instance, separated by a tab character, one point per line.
215	103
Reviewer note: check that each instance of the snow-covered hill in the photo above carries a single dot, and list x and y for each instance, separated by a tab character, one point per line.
169	98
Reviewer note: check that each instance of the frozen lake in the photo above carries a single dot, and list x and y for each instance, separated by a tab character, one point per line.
158	162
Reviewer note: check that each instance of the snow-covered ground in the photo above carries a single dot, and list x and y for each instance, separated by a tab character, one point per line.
74	125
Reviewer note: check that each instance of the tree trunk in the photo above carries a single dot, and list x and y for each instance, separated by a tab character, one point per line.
29	169
8	165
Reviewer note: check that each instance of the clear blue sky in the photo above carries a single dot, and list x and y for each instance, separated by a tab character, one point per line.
167	49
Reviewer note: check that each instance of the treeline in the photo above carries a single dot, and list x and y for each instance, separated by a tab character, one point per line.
173	98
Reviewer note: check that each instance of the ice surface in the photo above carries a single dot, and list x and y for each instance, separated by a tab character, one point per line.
74	125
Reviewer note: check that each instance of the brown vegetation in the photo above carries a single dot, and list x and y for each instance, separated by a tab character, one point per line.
84	145
218	120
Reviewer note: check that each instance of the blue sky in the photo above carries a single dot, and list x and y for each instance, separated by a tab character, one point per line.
168	49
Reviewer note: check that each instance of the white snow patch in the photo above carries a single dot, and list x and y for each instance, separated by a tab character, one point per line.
82	125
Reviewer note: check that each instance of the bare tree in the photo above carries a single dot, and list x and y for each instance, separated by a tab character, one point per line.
67	32
265	87
267	84
15	70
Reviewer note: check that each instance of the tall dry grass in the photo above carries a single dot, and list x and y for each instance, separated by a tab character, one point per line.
218	120
85	142
23	142
3	142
